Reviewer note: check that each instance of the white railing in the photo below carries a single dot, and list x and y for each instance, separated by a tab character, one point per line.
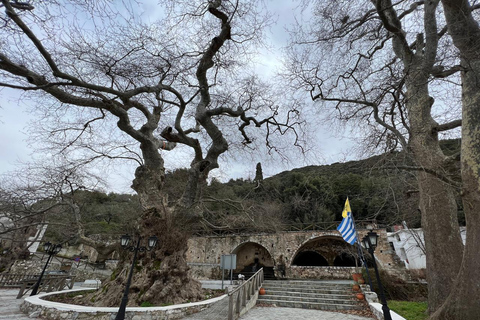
244	297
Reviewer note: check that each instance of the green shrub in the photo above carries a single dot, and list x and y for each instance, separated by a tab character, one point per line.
146	304
409	310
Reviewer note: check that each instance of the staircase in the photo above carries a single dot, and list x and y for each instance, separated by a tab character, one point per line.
268	273
332	295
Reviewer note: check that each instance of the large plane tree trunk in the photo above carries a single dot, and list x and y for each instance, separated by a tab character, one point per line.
160	276
437	197
437	202
462	302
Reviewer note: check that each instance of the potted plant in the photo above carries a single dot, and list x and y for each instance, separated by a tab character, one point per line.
360	296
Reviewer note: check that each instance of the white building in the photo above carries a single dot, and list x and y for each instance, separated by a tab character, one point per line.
34	234
410	246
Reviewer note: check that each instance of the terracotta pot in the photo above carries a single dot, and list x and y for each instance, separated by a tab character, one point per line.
356	287
360	296
261	291
361	281
357	276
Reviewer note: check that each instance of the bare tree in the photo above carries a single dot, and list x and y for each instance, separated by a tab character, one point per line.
184	77
387	67
20	220
465	32
26	198
37	197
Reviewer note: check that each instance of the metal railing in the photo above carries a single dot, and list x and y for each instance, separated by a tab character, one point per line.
295	227
49	283
14	280
70	263
244	297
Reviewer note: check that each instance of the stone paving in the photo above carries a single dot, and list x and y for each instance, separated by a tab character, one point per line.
218	311
9	310
276	313
10	306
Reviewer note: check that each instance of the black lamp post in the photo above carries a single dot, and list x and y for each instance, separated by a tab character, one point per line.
125	243
370	243
51	250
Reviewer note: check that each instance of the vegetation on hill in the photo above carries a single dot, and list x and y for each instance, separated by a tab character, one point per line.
379	188
100	214
310	196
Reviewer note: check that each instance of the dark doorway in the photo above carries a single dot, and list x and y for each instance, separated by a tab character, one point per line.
310	258
344	260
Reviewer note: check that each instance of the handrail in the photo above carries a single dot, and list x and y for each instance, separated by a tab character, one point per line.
246	296
49	283
289	227
15	279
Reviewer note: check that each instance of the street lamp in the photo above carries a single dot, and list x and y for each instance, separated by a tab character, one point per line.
125	243
370	243
50	249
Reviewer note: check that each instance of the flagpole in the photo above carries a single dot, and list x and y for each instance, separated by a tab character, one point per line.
364	261
360	252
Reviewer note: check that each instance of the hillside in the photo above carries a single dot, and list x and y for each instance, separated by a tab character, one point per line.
311	196
378	188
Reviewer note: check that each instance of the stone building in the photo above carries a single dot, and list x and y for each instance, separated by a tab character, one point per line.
302	254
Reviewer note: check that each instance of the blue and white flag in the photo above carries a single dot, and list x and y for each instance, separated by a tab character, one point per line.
347	227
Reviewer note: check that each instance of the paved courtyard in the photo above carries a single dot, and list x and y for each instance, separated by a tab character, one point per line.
9	310
9	305
275	313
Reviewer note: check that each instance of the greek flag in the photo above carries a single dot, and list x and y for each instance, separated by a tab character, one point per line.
347	227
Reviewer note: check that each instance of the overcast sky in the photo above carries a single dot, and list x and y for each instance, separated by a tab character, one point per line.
14	131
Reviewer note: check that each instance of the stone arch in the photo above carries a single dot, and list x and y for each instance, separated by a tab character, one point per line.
344	260
309	258
251	256
331	248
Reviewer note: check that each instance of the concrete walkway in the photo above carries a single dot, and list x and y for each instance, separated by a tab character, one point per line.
275	313
10	306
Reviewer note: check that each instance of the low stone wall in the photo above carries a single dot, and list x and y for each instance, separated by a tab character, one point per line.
32	266
375	306
37	307
378	312
81	273
300	272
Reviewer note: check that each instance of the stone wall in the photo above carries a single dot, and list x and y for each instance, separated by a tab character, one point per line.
36	307
277	250
300	272
81	273
205	271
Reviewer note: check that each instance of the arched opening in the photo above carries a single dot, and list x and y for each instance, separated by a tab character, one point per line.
325	251
251	257
345	260
310	258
